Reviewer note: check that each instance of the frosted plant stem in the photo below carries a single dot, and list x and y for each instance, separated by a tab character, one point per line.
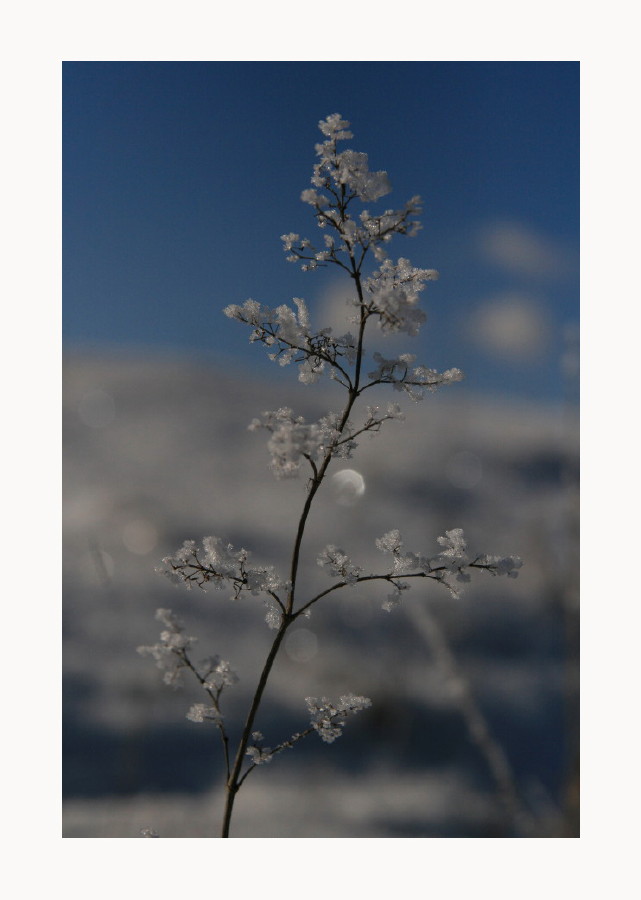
234	781
316	483
389	296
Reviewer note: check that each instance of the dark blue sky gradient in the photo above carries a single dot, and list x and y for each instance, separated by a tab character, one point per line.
179	178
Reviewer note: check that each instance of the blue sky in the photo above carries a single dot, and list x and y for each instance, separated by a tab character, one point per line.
179	178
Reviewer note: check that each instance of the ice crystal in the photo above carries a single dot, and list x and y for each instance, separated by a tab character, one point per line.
221	566
169	652
328	719
338	563
199	712
392	296
218	673
400	373
291	440
256	752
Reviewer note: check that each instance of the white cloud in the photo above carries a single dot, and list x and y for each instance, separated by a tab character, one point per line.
334	308
511	326
520	250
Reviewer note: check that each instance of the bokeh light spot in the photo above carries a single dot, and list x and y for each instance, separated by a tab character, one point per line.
139	536
301	645
348	486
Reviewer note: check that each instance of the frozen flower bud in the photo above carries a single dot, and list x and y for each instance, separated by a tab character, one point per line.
339	564
393	600
455	547
390	542
335	127
169	653
257	753
289	240
501	565
291	440
219	674
412	380
199	712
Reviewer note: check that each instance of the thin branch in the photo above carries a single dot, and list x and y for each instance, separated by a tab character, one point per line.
215	697
274	750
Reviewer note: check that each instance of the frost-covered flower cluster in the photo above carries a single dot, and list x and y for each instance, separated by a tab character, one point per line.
218	673
256	752
170	652
413	381
338	563
452	566
259	754
199	712
328	719
214	674
338	178
218	565
288	337
291	441
456	561
393	295
348	169
294	440
172	655
390	294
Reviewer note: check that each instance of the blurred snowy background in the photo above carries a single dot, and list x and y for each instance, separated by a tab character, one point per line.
178	180
157	451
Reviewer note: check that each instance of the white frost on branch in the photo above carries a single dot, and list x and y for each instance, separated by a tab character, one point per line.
412	380
328	719
349	168
220	566
338	178
218	673
259	754
292	440
453	566
169	652
287	335
393	295
200	712
337	563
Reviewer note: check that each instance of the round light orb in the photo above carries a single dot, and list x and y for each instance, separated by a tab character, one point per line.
139	536
301	645
348	486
